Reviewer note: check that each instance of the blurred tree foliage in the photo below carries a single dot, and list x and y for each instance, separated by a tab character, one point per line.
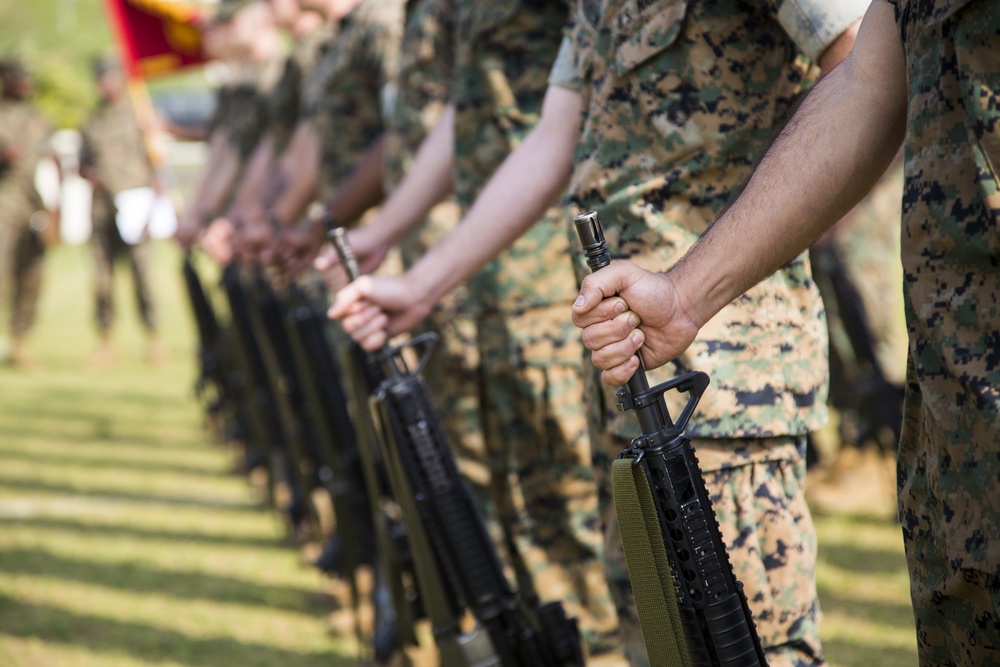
58	40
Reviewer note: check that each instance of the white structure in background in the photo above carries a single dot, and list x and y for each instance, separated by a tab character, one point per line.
63	184
75	192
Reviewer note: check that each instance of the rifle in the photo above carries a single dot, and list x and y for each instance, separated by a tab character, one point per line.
454	556
211	374
266	417
677	543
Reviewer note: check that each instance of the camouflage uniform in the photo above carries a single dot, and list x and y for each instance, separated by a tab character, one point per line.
21	246
673	119
113	147
351	91
536	432
865	243
282	105
423	91
949	501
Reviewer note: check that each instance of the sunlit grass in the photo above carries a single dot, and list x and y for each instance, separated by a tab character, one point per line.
124	538
125	541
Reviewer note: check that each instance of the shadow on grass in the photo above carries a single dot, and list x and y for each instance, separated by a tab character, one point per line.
104	430
854	519
99	462
889	612
89	529
863	559
111	495
138	578
99	393
149	644
843	652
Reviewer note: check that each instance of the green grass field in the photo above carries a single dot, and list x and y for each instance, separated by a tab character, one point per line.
124	541
123	538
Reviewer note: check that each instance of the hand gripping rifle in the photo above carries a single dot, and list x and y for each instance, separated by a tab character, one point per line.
680	570
456	562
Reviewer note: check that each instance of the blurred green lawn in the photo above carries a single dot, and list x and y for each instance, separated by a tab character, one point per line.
123	538
124	541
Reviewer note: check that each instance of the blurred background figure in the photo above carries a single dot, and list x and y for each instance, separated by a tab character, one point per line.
859	273
115	160
24	141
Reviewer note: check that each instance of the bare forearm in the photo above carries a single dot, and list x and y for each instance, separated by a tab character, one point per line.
218	182
532	178
300	168
362	189
829	155
255	174
427	183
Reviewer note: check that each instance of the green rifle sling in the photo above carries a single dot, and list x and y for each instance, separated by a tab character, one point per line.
648	567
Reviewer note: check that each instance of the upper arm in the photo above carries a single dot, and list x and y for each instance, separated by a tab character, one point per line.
561	118
876	63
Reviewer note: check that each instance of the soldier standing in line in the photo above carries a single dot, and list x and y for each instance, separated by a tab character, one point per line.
244	35
925	75
113	157
544	493
345	102
858	270
676	99
24	136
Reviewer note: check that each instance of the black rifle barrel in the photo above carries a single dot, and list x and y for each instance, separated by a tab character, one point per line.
461	545
718	626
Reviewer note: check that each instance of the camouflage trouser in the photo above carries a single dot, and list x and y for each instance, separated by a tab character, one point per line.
543	476
957	609
955	591
107	245
453	380
27	255
771	541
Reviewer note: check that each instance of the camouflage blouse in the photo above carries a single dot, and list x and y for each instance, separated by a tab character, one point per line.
351	91
23	128
679	98
504	52
114	146
951	265
423	91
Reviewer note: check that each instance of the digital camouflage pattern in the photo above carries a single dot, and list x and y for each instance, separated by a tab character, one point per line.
423	91
866	244
545	487
106	246
239	112
282	105
673	122
24	129
948	458
114	148
504	57
530	353
674	117
352	91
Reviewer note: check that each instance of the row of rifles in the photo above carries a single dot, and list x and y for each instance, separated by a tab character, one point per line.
325	419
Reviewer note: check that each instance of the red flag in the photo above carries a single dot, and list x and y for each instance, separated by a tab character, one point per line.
156	36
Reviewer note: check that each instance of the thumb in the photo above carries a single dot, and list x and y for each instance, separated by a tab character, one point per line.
347	298
600	285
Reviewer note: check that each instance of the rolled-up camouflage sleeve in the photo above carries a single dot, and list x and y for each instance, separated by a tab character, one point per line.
564	71
816	24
